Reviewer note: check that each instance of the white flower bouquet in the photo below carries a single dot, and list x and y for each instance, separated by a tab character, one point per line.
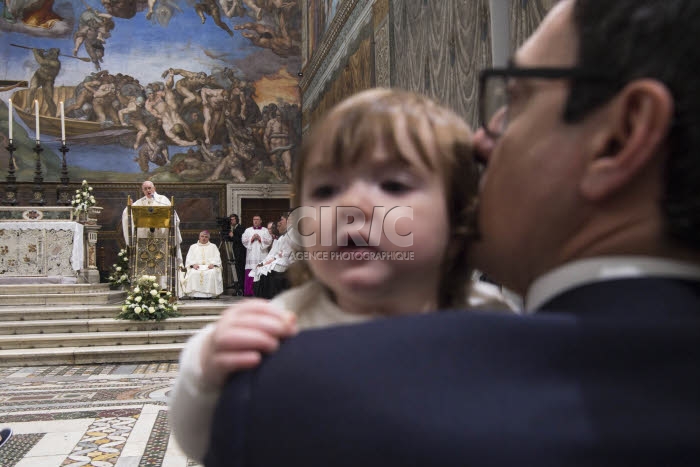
119	275
83	198
147	302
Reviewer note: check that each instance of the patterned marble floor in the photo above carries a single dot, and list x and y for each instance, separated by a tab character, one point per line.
111	415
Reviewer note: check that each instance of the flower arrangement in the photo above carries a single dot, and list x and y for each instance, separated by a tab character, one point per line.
83	198
120	270
147	302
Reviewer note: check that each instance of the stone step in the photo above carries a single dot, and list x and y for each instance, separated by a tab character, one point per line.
88	298
91	339
40	289
65	324
102	325
91	355
58	312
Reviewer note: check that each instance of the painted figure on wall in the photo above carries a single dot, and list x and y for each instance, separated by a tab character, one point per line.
93	30
44	78
212	94
33	13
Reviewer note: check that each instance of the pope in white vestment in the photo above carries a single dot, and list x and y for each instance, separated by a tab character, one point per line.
152	198
203	263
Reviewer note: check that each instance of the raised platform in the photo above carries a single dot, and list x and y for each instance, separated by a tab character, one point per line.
37	280
57	324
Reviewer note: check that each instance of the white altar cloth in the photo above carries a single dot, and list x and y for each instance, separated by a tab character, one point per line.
77	254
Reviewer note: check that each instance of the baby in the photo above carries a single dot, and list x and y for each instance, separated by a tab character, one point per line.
386	192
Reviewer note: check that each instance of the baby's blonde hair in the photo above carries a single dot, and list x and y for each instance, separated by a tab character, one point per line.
351	130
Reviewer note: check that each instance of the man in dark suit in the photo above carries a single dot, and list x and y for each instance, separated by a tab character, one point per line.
234	250
589	207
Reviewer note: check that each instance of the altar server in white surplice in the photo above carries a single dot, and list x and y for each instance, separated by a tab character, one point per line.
203	263
257	241
269	277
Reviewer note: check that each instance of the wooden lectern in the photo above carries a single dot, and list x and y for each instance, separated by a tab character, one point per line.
152	244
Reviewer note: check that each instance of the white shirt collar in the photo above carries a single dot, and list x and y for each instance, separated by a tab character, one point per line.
588	271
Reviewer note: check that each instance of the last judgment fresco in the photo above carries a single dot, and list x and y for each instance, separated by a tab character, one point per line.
176	90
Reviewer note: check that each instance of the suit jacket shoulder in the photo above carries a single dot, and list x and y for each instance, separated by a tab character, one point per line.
469	388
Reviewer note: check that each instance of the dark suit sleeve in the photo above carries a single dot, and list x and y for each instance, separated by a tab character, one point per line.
470	389
238	234
336	396
227	442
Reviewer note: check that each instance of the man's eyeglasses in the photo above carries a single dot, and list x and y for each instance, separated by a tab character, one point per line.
494	98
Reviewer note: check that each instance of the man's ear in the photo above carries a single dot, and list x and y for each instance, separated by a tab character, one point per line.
636	126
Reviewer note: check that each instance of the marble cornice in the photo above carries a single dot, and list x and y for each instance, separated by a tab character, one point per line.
350	21
339	20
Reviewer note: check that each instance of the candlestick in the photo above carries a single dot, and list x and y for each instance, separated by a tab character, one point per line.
38	190
63	194
36	109
10	187
10	121
63	126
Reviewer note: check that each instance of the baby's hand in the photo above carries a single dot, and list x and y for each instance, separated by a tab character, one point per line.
243	333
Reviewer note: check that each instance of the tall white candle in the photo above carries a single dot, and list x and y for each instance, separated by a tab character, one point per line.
10	121
36	109
63	126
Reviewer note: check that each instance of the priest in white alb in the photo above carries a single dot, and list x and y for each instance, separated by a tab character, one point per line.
257	241
203	263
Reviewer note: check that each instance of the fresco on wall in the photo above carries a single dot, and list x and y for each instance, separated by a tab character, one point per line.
171	90
321	13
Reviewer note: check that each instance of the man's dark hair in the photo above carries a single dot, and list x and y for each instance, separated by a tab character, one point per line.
238	220
633	39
